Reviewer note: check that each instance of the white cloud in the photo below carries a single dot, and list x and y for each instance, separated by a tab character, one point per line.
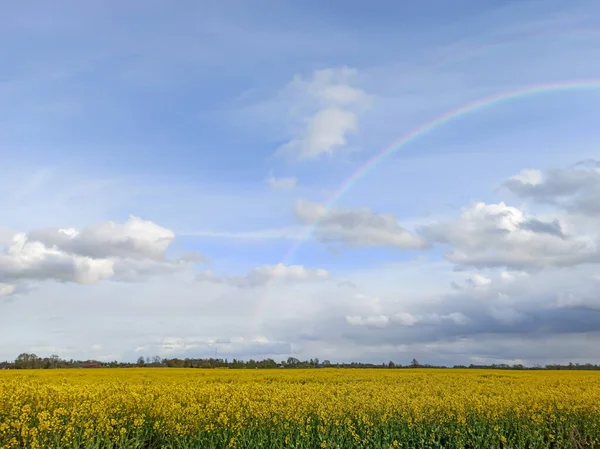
263	275
495	235
332	86
373	321
325	132
224	347
527	177
406	319
509	276
334	106
283	183
25	259
478	285
356	227
136	238
7	289
478	280
371	303
576	189
6	235
456	317
90	255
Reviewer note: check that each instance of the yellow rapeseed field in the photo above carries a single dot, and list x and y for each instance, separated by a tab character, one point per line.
327	408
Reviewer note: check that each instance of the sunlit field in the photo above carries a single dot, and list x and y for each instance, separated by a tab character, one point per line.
328	408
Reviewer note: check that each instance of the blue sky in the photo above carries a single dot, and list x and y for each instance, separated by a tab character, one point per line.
224	130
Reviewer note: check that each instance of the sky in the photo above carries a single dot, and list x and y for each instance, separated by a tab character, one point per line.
310	179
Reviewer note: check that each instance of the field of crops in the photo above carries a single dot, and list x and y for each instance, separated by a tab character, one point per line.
154	408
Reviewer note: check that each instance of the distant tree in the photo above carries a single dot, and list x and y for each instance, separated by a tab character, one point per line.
32	361
27	361
268	363
55	360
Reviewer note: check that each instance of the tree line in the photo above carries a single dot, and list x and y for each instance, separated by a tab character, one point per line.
32	361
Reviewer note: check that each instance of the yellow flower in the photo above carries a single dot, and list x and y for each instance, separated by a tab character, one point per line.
79	407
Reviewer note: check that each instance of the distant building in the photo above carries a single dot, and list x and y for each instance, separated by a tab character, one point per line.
93	365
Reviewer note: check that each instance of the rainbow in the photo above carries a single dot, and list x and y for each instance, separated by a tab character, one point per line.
425	129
